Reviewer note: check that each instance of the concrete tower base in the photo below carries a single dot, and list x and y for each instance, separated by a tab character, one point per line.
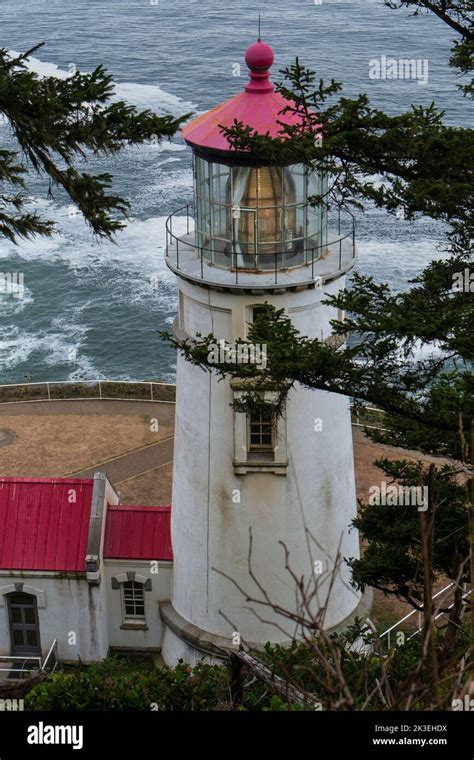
184	641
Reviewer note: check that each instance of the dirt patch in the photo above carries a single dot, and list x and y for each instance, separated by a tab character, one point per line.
152	487
366	452
56	445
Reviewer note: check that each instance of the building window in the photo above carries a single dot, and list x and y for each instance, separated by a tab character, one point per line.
133	598
24	624
260	309
259	435
260	431
251	314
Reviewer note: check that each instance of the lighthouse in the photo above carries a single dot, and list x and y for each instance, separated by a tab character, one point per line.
254	493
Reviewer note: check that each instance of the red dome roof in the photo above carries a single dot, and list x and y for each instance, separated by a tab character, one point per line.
258	107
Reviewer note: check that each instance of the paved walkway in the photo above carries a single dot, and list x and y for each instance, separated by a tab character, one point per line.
132	464
165	409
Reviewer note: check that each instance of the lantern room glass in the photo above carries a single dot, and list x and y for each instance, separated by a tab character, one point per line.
258	217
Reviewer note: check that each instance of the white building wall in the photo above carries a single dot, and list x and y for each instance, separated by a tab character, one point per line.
139	638
69	610
210	532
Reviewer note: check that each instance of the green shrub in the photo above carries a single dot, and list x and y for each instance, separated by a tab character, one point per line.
118	684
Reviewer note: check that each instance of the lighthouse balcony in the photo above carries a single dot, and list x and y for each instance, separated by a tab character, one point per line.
250	266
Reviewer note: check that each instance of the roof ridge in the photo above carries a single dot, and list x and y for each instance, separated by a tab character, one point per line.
46	480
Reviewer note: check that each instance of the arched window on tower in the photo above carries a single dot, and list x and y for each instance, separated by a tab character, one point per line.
252	312
258	309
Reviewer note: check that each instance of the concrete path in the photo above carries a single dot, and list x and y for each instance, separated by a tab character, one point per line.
132	464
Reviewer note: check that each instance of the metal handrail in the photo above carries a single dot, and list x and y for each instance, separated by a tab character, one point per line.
440	614
151	383
419	613
172	239
52	650
85	382
8	658
356	409
38	659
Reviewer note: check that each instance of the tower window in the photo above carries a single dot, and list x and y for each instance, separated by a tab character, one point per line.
257	310
260	430
252	312
259	434
133	600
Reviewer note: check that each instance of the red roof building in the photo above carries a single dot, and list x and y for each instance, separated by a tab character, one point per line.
74	561
44	523
135	532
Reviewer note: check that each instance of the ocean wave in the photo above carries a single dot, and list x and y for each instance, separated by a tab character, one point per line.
144	96
11	305
139	247
18	347
396	262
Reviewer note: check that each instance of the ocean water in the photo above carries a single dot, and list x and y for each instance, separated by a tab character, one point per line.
93	309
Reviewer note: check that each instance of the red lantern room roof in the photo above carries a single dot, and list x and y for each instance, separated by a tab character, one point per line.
258	107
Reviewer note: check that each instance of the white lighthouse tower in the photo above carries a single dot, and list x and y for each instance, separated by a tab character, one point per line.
246	478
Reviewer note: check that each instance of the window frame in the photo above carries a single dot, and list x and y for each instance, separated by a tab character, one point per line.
262	425
126	617
247	459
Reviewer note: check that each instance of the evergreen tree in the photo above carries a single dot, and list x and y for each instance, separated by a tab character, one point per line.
56	123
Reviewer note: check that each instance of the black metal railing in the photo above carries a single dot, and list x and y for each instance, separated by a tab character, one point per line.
240	262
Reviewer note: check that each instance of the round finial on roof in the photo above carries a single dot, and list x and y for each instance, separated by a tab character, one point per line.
259	56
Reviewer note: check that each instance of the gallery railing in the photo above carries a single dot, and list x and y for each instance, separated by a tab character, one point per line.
258	262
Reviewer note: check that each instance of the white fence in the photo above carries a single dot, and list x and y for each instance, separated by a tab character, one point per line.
356	417
64	390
